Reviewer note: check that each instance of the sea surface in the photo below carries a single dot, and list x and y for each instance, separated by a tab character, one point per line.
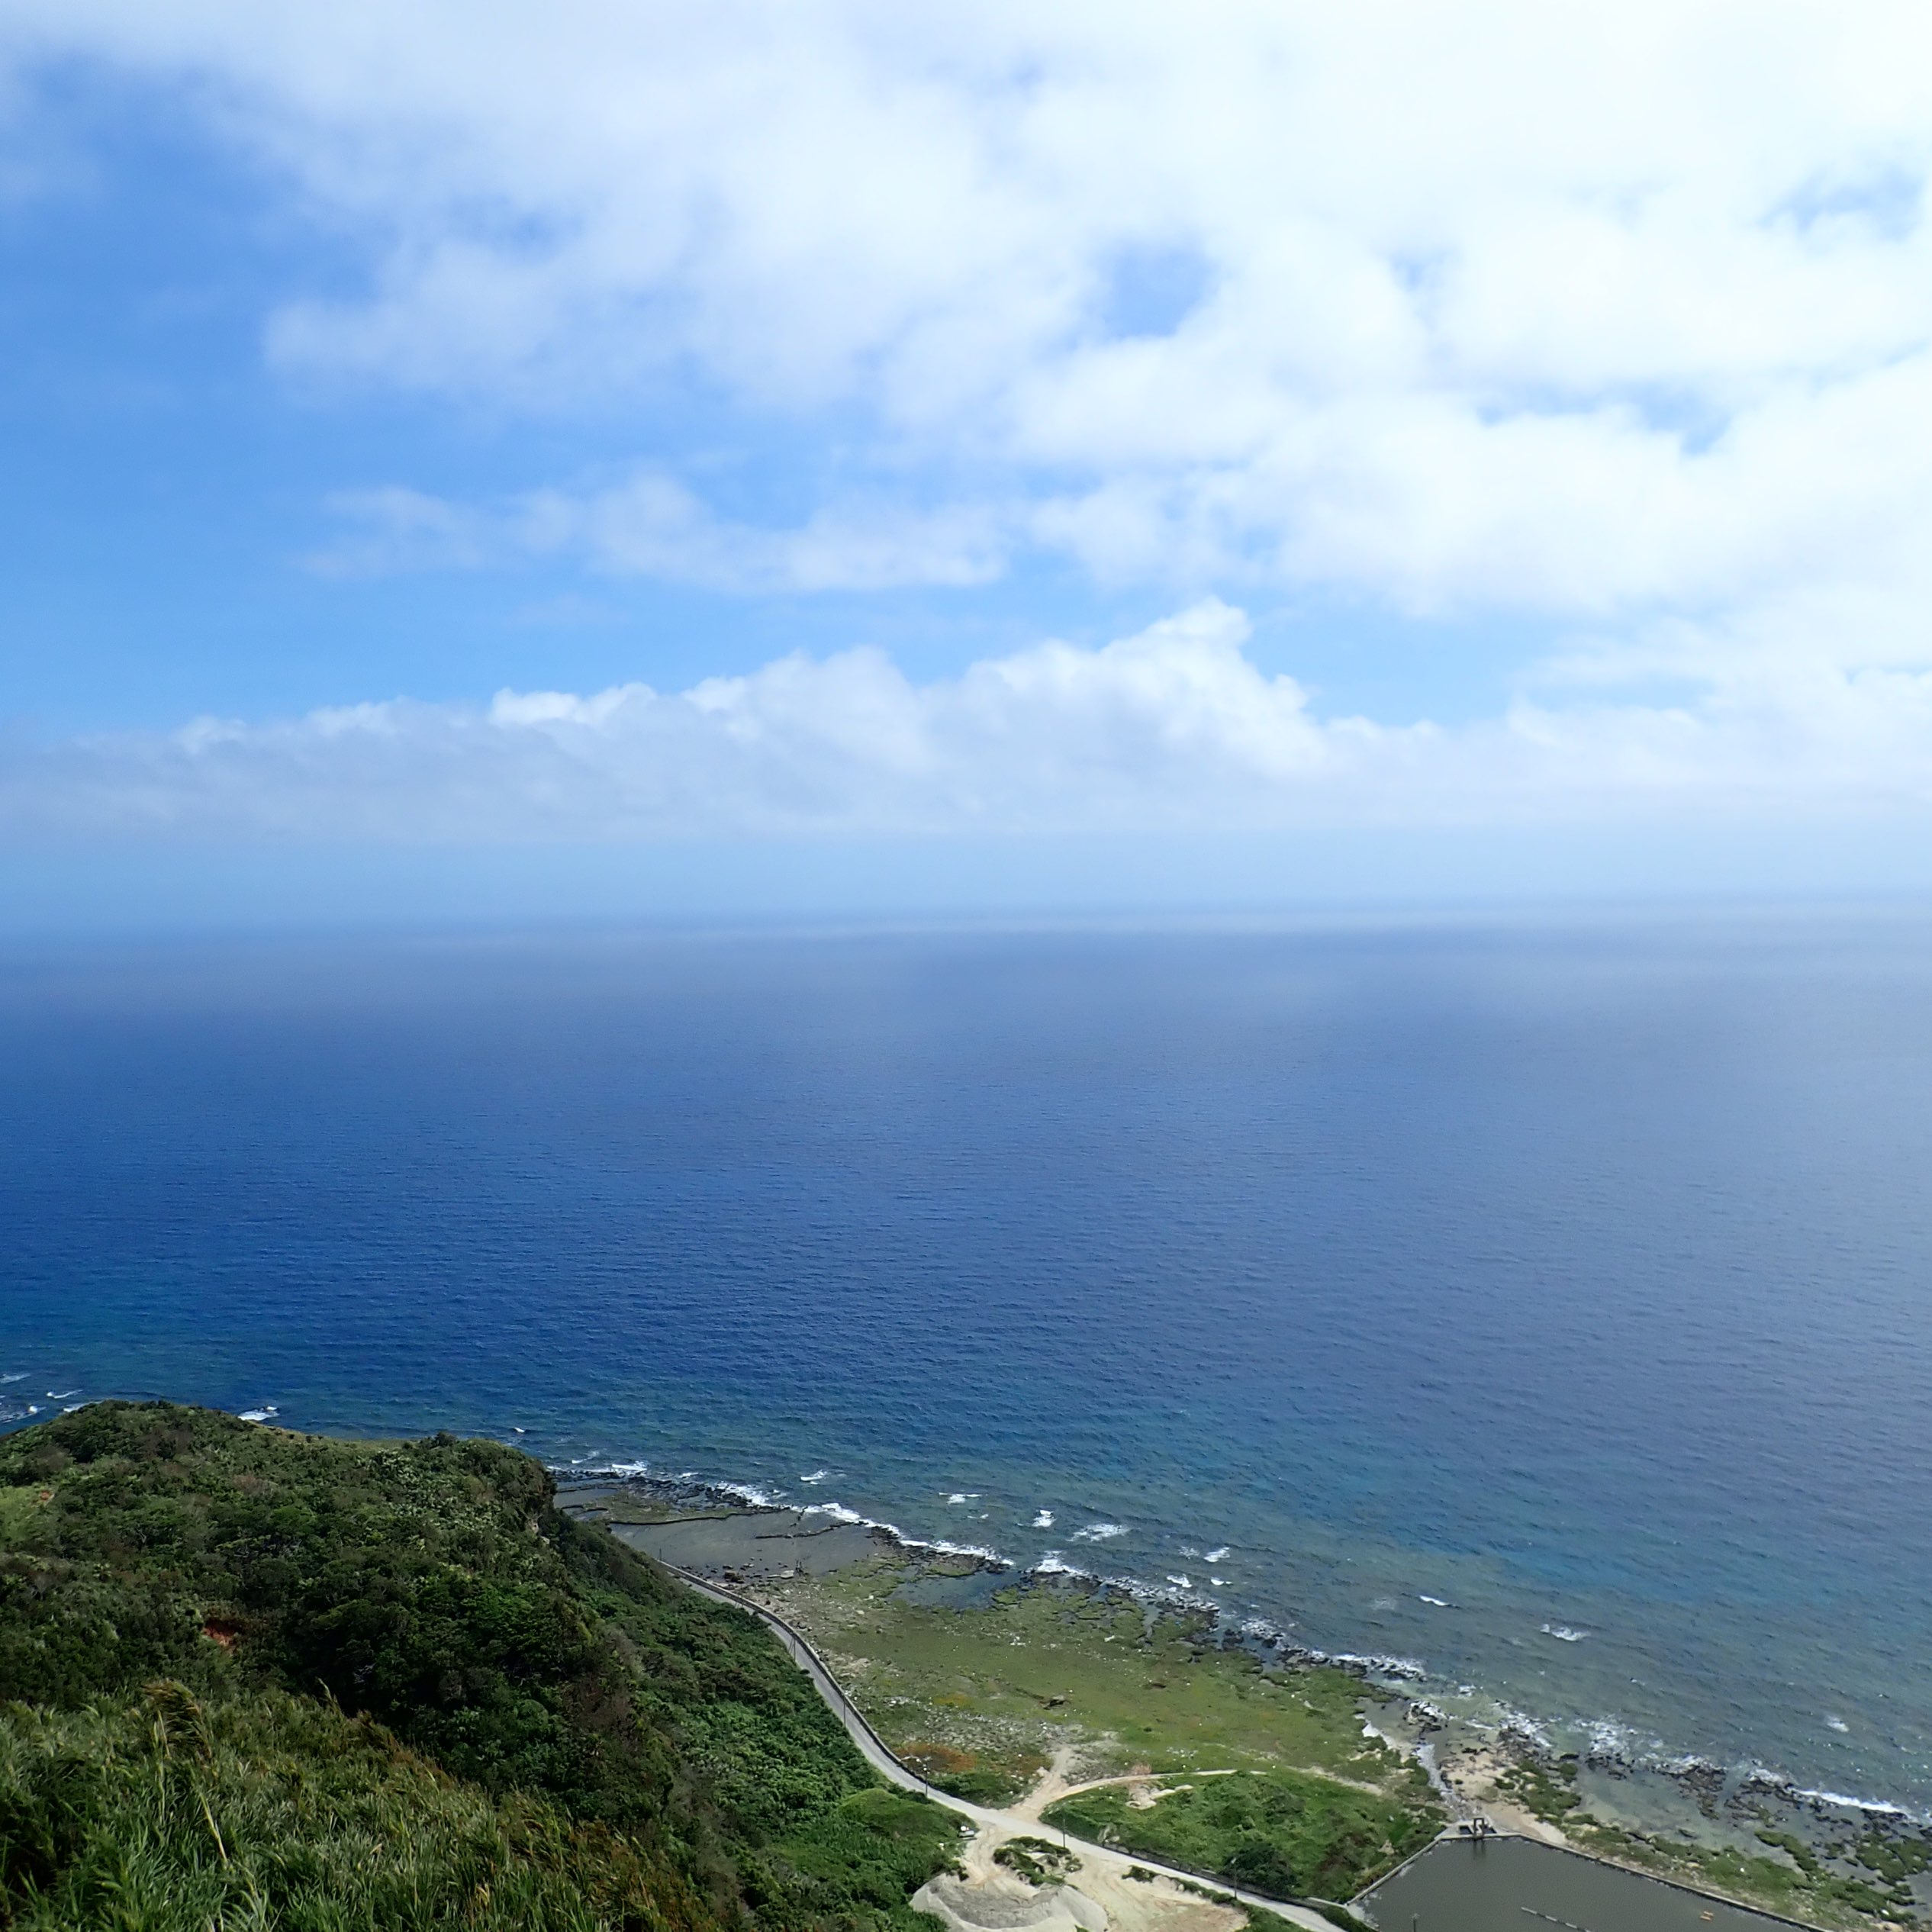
1549	1305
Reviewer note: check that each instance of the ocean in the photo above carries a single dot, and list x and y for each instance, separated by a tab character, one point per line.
1543	1304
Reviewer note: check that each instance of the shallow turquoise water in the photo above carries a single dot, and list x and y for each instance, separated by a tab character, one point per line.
1546	1305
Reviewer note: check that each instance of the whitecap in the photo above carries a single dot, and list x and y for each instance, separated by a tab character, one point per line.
1219	1582
963	1495
1044	1520
1442	1602
21	1377
754	1493
1219	1555
1181	1582
1564	1633
836	1510
262	1415
1837	1724
515	1431
1099	1532
1875	1807
817	1475
61	1395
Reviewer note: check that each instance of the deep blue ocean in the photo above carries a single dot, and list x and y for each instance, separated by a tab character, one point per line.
1551	1305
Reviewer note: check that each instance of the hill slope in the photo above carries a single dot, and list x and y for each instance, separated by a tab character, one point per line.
259	1678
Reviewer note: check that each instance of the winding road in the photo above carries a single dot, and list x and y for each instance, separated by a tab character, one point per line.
1016	1821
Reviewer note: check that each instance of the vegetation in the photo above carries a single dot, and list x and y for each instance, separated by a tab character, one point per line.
255	1679
992	1691
1037	1860
1279	1832
1547	1792
1806	1890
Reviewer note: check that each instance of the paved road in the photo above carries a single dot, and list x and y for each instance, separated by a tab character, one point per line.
881	1758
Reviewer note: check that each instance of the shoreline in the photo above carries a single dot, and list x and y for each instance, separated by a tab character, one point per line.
1390	1674
1744	1833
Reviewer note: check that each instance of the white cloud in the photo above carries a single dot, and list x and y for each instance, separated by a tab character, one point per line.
1615	317
1574	310
1173	728
649	525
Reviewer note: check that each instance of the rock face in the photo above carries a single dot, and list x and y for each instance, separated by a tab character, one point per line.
994	1907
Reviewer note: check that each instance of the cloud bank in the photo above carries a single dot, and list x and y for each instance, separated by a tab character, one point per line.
1173	729
1613	323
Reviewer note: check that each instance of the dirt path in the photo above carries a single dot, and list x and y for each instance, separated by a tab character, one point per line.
1163	1903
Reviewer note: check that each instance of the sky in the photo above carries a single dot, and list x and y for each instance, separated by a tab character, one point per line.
626	455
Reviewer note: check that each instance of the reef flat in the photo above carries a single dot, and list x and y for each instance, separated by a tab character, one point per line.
1222	1748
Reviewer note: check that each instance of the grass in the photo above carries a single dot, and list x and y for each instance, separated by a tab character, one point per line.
1545	1792
996	1689
398	1663
1281	1832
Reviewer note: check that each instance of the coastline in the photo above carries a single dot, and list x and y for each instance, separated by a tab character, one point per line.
1743	1833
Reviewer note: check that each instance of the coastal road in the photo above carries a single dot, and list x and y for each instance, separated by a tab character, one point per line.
877	1753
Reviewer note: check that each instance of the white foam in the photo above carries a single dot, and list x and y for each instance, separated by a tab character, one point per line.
61	1395
262	1415
21	1377
515	1431
1219	1582
1044	1520
1837	1724
1875	1807
1561	1632
1442	1602
755	1493
959	1496
836	1510
817	1475
1219	1555
1181	1582
1099	1532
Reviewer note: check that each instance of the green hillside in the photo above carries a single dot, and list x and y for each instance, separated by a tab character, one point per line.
252	1679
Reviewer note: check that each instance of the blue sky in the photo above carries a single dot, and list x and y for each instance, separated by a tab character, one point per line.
785	452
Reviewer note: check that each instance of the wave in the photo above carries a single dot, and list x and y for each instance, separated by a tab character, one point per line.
1607	1740
836	1510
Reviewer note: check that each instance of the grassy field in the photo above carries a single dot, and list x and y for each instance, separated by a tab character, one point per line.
982	1698
1282	1832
